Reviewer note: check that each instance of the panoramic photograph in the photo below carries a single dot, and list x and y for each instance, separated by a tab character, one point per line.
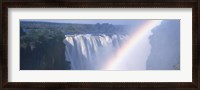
99	44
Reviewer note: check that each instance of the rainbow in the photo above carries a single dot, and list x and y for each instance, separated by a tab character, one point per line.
129	45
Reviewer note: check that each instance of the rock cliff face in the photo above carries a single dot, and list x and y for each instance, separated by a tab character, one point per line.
165	42
46	56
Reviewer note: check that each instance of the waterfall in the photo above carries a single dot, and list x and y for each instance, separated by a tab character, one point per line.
88	52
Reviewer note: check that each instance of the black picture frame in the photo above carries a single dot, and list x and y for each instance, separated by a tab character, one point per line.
194	4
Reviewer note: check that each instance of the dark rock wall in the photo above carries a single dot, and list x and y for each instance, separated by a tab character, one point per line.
49	55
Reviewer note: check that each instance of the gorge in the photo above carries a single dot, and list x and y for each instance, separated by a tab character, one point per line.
59	46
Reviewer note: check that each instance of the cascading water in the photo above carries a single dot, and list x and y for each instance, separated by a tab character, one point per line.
88	52
93	52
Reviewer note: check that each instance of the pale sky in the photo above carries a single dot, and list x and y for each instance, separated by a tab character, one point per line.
93	21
